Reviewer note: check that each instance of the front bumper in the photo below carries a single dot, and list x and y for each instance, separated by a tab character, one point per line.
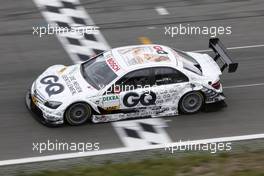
39	113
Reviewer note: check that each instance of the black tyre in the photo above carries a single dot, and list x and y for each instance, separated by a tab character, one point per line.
78	114
191	102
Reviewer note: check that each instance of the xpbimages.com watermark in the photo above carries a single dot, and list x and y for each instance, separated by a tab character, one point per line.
188	29
51	30
213	147
116	88
53	146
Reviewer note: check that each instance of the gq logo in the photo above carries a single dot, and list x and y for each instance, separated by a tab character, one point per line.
132	99
53	87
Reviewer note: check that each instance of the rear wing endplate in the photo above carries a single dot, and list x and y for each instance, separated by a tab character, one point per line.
221	53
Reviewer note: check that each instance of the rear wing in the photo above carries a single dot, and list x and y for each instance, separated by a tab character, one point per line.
221	53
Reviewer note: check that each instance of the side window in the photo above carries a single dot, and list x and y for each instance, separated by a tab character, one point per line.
166	75
131	81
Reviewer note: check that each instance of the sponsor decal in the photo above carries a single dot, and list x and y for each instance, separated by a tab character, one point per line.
143	54
111	98
166	96
159	101
112	108
53	87
164	91
100	118
159	50
138	112
62	70
131	99
72	84
111	102
113	64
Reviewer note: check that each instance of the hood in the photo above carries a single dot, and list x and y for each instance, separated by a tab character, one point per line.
208	65
59	82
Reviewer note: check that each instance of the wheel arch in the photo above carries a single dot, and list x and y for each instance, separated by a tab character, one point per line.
186	92
93	107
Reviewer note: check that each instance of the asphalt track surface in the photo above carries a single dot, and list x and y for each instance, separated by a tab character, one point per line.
122	22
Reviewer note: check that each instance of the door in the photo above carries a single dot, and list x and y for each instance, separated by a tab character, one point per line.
131	93
169	84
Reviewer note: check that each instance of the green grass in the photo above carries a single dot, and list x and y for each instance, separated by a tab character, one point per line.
243	164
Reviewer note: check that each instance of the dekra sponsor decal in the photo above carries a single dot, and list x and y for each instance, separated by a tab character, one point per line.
111	98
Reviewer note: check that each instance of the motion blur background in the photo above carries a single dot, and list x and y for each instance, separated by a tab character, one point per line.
122	22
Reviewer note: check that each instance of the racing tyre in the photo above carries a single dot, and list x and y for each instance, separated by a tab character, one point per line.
191	102
78	114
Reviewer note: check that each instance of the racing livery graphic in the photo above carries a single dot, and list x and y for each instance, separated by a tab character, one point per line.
143	54
130	82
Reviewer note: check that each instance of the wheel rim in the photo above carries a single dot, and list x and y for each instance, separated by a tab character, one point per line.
192	102
78	114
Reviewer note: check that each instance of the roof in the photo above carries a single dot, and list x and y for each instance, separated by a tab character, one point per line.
140	56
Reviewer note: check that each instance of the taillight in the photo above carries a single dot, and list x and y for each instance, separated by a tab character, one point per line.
216	85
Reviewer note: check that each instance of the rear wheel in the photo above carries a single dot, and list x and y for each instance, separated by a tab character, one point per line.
191	102
78	114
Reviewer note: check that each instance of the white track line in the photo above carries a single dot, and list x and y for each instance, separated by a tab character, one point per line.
162	10
244	85
234	48
126	149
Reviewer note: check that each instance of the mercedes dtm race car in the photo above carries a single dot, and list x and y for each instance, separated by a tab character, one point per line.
130	82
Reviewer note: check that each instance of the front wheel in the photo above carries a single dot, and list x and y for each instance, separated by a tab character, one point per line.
78	114
191	102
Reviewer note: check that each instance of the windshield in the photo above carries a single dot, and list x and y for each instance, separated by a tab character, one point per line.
97	73
189	63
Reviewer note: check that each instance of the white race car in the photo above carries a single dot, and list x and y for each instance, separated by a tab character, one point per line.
130	82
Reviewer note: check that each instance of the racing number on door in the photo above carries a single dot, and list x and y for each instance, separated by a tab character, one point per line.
53	87
131	99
